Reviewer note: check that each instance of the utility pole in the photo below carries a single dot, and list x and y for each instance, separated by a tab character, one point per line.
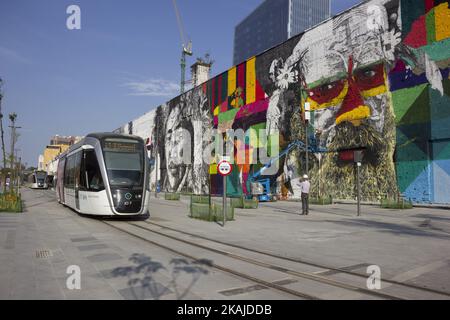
13	117
358	213
156	159
18	170
3	140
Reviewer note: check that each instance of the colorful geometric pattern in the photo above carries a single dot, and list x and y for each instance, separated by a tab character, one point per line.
237	102
423	112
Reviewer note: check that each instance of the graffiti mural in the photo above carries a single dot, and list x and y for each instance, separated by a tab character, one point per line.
345	67
376	79
180	126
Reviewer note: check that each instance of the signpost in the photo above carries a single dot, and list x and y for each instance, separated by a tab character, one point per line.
224	168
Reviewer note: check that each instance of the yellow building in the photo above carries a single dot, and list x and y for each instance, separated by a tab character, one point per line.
51	152
58	145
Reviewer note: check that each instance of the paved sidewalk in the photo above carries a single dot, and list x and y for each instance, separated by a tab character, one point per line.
409	245
37	246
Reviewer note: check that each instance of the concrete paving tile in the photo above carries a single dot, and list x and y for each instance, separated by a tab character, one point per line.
151	291
83	239
92	294
100	257
93	247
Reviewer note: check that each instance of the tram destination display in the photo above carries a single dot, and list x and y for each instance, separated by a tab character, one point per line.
119	146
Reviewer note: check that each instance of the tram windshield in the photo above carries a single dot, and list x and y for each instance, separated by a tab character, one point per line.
124	160
40	176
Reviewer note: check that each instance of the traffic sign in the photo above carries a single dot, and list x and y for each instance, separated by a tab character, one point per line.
224	168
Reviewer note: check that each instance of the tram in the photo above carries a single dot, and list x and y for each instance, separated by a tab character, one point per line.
38	180
105	174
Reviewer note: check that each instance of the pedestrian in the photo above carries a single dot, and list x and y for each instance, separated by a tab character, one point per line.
305	185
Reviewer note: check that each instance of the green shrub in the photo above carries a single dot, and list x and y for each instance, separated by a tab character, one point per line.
172	196
206	212
396	204
321	200
200	199
200	211
237	202
11	202
243	203
217	212
251	204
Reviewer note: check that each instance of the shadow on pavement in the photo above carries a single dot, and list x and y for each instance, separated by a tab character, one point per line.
143	284
392	228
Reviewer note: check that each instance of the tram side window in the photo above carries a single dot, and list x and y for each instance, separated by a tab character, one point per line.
92	177
68	173
76	169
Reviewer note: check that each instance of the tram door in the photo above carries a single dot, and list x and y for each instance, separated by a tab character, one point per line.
78	157
60	180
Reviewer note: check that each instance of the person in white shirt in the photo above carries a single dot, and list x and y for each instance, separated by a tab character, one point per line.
305	185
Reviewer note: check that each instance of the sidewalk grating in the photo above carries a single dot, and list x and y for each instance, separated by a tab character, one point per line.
44	254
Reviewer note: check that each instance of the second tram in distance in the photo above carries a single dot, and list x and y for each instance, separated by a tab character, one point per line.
38	180
105	174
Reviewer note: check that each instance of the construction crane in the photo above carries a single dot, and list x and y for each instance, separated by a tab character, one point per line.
186	47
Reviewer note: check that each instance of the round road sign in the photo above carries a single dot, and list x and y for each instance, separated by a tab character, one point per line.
224	168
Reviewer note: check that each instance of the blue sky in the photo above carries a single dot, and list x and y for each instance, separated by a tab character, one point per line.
72	82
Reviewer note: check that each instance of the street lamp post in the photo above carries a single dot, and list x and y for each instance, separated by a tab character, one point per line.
357	155
307	118
156	159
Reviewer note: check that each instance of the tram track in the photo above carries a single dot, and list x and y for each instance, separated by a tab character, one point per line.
313	276
304	262
288	271
269	266
239	274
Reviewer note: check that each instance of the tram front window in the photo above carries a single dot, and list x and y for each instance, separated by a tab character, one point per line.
40	177
124	162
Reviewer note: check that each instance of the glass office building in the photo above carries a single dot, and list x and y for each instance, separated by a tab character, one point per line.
275	21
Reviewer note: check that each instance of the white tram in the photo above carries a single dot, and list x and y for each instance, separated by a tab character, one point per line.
105	174
39	180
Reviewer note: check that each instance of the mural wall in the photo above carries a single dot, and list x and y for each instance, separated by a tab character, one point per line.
376	79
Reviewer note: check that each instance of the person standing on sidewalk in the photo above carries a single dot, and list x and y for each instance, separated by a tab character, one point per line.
305	185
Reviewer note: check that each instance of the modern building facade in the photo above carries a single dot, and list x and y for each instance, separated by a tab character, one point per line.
275	21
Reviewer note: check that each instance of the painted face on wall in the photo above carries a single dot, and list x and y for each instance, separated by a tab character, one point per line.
345	78
175	142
